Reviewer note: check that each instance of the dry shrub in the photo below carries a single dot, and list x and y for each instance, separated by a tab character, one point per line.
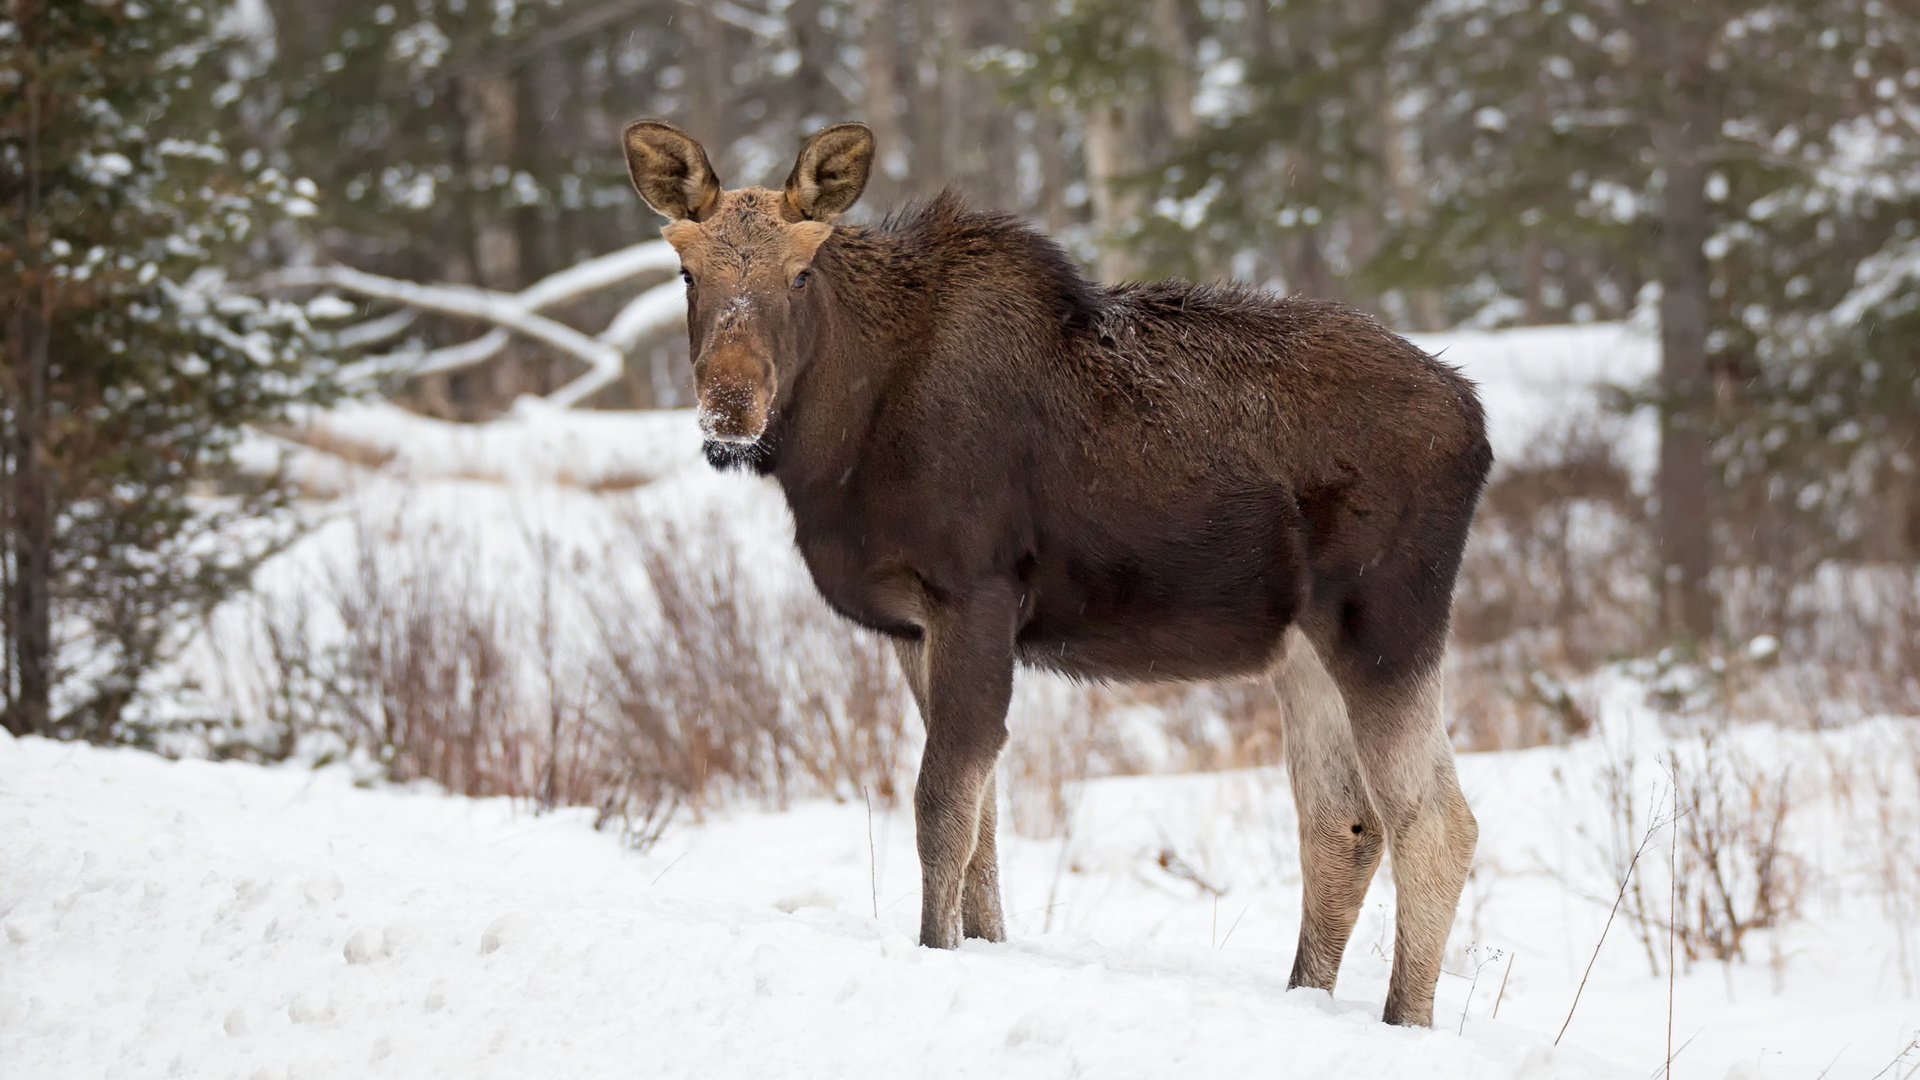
428	676
1051	753
1734	873
711	690
637	680
1559	557
1842	643
1066	732
1729	870
1877	782
1554	581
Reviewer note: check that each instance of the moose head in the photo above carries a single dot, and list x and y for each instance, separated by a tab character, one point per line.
753	297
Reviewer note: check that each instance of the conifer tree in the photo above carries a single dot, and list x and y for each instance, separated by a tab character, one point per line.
130	362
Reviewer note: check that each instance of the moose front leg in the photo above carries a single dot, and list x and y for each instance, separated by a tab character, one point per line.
980	898
963	676
980	912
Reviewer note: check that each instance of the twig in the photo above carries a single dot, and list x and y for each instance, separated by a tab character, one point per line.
873	871
1897	1059
1645	839
1831	1064
1673	905
1497	998
1236	922
1474	985
1668	1064
669	866
1066	845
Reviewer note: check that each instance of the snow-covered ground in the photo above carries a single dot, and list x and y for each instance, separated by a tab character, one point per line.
211	920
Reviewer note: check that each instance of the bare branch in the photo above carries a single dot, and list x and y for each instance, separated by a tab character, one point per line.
604	355
502	309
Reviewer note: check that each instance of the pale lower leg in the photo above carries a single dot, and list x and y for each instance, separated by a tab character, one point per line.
980	896
1340	837
1408	764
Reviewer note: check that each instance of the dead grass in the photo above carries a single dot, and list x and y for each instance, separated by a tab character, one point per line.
429	680
1556	583
705	690
1729	870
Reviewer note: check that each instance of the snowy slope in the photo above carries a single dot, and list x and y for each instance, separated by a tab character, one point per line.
211	920
214	920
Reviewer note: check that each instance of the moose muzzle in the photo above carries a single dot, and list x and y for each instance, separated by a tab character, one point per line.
736	395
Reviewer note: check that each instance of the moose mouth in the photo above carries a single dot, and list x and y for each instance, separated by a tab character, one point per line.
747	455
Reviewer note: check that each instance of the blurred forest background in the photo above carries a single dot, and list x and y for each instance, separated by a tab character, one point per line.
1740	178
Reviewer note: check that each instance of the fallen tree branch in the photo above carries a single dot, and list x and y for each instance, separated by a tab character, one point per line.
511	313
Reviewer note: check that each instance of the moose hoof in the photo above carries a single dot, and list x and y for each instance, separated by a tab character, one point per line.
940	937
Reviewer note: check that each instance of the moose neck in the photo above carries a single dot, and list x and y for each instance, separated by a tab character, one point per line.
895	288
847	361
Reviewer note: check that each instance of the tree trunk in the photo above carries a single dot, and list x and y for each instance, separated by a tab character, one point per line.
926	122
29	478
489	108
489	103
707	72
1299	256
1533	285
1110	127
1403	179
880	69
1055	170
974	125
1685	518
809	91
30	513
1175	35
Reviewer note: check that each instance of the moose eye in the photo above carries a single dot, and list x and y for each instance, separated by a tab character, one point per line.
800	279
686	277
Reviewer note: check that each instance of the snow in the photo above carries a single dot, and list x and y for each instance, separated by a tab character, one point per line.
195	918
1539	384
537	444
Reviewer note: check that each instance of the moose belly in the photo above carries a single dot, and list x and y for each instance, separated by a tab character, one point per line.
1186	609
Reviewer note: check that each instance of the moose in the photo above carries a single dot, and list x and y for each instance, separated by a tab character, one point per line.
995	462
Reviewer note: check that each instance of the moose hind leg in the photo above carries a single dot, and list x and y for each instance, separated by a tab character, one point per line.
1401	737
1340	837
980	915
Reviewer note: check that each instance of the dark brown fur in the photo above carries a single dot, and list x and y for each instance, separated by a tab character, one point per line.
995	461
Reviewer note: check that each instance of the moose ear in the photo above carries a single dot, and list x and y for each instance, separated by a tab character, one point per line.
670	171
830	173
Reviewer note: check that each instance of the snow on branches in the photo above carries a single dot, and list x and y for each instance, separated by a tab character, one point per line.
604	354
